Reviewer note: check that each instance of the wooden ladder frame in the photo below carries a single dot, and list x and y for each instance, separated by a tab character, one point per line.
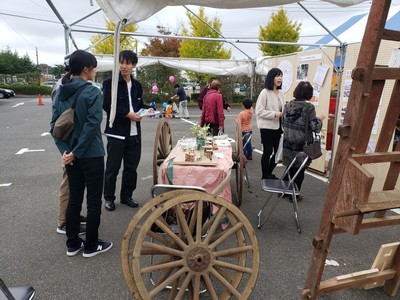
349	193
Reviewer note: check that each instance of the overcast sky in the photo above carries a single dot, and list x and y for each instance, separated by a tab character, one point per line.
27	25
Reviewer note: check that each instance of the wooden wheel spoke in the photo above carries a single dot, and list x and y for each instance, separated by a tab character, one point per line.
185	231
184	285
159	238
166	274
160	249
199	220
162	266
233	267
196	286
171	234
193	219
224	273
233	251
174	289
167	282
215	224
226	235
210	288
225	283
209	222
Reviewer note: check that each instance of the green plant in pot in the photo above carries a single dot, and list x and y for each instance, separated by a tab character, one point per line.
200	134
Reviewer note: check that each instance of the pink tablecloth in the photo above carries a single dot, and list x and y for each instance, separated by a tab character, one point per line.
207	177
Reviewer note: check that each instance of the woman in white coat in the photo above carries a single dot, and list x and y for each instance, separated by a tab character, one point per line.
268	112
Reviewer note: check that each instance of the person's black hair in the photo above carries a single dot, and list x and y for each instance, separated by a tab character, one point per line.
176	86
303	91
269	79
169	102
247	103
129	56
79	60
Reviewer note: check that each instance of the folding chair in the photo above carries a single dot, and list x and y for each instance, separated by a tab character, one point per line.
283	187
16	292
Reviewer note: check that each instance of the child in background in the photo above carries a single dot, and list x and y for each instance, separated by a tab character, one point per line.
168	110
164	107
244	118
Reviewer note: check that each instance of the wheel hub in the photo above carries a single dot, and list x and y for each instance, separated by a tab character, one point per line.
198	259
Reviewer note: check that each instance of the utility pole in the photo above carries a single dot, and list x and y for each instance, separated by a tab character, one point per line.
37	63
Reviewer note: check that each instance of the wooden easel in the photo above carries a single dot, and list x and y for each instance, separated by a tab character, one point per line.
349	196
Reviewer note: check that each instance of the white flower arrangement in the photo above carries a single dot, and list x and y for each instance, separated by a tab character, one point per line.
200	132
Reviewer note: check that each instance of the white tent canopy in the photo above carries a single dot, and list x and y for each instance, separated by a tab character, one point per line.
124	12
138	10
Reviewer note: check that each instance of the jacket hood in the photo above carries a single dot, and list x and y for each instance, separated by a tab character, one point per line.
68	89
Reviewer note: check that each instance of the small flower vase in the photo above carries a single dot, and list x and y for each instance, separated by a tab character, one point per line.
200	142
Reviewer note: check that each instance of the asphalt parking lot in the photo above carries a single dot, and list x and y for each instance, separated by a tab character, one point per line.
33	253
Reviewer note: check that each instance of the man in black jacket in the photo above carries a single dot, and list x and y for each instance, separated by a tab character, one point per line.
124	137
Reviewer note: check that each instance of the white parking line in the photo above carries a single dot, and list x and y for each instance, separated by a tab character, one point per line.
23	150
45	133
18	104
5	184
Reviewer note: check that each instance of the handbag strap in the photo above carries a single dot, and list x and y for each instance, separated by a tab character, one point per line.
307	124
77	93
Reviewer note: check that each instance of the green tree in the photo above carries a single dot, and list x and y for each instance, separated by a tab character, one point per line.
202	49
107	46
159	74
280	29
11	63
58	70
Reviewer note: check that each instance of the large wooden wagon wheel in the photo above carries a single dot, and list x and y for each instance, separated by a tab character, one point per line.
238	163
198	254
162	146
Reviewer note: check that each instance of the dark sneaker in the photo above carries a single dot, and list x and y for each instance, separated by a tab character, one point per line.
83	220
130	202
72	251
62	229
100	248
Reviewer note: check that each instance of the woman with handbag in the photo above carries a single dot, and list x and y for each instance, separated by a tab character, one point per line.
82	152
300	123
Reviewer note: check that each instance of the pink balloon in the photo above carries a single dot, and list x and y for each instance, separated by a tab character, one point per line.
154	89
171	79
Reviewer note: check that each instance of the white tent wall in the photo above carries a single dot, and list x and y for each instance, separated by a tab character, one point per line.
208	66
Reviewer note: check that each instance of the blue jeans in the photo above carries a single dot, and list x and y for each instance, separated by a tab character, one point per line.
247	148
183	110
89	173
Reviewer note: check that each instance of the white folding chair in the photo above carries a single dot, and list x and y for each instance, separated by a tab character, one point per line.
282	188
16	292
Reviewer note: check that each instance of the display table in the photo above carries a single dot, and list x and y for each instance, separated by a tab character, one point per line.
208	175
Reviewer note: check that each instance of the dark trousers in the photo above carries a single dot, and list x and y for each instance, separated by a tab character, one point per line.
128	150
214	128
247	147
89	173
300	177
270	140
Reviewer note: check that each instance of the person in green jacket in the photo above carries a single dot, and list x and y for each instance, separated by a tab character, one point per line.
83	153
